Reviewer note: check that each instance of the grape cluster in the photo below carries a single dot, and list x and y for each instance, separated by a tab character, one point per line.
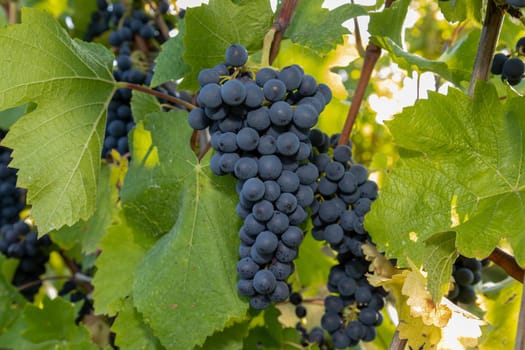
19	241
259	127
343	197
466	273
511	69
12	199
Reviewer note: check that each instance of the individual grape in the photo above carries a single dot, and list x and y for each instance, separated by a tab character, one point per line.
247	268
326	92
360	173
245	288
208	76
280	293
264	282
467	295
520	46
236	55
305	116
291	76
285	254
333	304
296	298
210	96
270	167
308	85
227	162
267	145
254	96
287	144
300	311
259	258
245	168
278	223
280	113
367	316
281	270
272	190
292	237
497	63
348	183
305	196
263	75
346	286
513	69
259	119
340	339
274	90
247	139
259	302
266	242
233	92
363	294
286	203
263	210
288	181
197	119
331	321
333	234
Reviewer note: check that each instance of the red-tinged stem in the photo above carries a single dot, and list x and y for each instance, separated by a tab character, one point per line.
507	263
357	34
487	44
166	97
281	23
372	54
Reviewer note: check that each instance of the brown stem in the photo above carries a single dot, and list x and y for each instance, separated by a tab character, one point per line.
74	270
167	97
38	281
520	335
141	44
12	12
507	263
357	34
281	23
397	343
487	44
372	54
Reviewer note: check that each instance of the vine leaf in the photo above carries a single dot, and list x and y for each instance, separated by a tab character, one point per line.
319	28
131	330
461	10
211	28
169	64
395	17
461	168
56	146
54	324
188	278
441	255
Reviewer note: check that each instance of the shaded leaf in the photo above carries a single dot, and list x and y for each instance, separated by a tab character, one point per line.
440	252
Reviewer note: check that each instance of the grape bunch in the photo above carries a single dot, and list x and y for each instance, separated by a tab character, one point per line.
343	197
12	199
511	69
466	273
259	128
20	241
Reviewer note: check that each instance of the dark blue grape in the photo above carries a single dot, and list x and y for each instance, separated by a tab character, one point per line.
274	90
264	282
236	55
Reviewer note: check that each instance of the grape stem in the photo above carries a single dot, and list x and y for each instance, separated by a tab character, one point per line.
372	54
507	263
358	40
279	26
487	44
397	343
156	93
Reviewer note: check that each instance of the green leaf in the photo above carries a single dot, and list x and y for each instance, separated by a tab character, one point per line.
269	334
502	314
188	278
169	63
231	338
11	302
56	322
131	330
319	28
143	104
11	115
460	170
89	233
211	28
150	194
440	252
394	16
57	146
455	65
123	249
460	10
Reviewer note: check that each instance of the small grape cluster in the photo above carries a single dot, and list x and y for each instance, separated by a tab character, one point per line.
466	273
511	69
12	199
20	241
316	334
259	129
72	289
343	197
